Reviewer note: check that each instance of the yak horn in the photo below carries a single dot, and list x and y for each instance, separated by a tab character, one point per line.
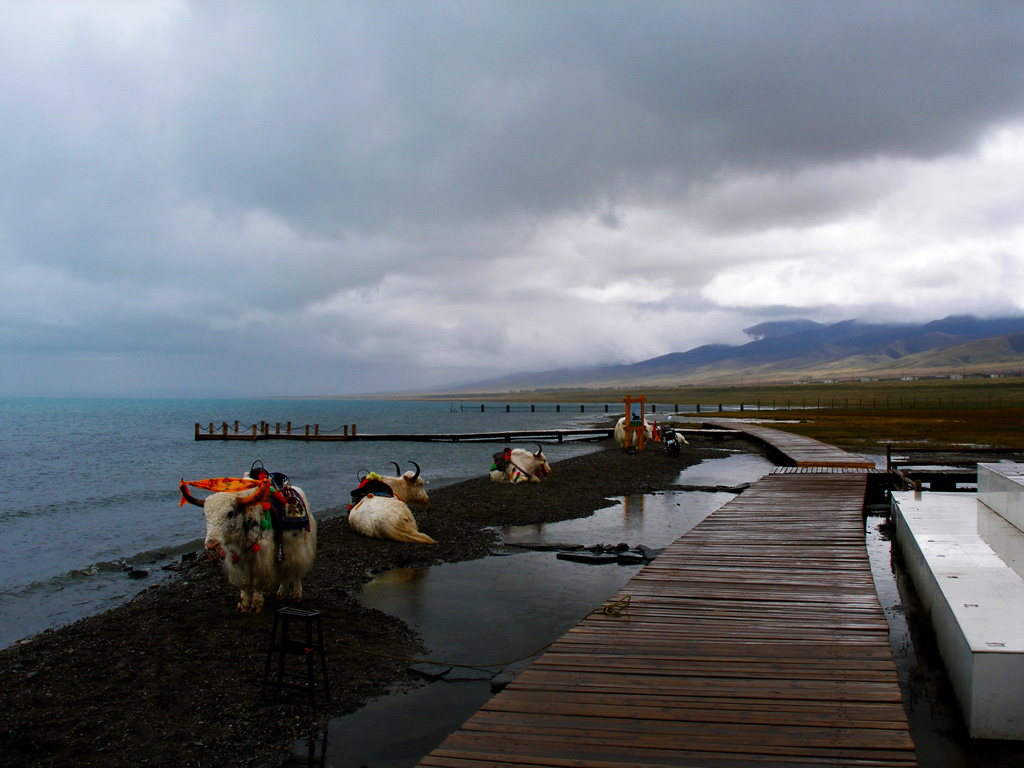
539	450
417	469
186	496
398	469
363	477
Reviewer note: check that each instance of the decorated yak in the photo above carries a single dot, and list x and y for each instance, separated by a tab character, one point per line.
380	506
620	432
262	530
516	465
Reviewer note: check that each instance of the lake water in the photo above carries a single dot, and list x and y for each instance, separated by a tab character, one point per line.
91	485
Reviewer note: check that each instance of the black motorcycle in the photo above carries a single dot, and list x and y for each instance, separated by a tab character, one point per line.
671	440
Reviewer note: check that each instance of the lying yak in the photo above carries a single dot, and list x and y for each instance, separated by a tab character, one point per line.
379	508
519	466
238	529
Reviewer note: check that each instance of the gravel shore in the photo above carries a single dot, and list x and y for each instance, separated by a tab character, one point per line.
173	677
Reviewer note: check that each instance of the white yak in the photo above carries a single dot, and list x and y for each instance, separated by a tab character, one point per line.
520	466
620	433
382	512
236	532
385	517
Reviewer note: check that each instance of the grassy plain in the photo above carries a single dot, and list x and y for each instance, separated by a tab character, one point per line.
958	414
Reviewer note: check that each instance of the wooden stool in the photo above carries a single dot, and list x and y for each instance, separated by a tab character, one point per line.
285	645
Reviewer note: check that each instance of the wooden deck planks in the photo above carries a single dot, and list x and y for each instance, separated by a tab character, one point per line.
801	451
756	639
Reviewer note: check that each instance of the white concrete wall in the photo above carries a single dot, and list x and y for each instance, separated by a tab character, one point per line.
975	601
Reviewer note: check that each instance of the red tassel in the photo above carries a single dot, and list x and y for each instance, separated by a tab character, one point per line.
256	547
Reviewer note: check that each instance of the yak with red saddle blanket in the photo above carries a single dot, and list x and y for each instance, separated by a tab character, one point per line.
261	528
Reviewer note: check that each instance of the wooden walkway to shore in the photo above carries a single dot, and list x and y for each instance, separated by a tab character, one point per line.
312	433
796	450
755	639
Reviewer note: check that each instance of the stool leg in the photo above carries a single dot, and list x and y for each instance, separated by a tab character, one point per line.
310	680
323	657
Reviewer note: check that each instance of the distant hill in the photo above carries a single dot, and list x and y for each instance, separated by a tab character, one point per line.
801	350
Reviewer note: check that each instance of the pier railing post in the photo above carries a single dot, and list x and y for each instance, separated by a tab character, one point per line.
353	430
197	430
254	433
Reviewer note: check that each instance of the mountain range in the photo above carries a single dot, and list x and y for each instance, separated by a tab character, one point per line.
802	350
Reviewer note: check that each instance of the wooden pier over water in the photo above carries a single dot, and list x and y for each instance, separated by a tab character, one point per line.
755	639
313	433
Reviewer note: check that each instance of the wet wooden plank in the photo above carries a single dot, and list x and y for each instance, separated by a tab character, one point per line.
756	639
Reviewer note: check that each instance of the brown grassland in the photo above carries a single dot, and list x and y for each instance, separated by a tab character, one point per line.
973	414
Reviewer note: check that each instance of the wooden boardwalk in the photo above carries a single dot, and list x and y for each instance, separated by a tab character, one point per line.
796	450
756	639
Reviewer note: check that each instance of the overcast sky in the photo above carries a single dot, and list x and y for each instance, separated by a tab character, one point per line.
308	198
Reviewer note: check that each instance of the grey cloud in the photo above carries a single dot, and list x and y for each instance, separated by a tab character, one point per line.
341	178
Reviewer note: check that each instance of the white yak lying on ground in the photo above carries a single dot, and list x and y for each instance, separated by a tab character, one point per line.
379	509
620	433
236	532
520	466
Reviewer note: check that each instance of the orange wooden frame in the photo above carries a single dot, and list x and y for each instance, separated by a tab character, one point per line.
630	429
